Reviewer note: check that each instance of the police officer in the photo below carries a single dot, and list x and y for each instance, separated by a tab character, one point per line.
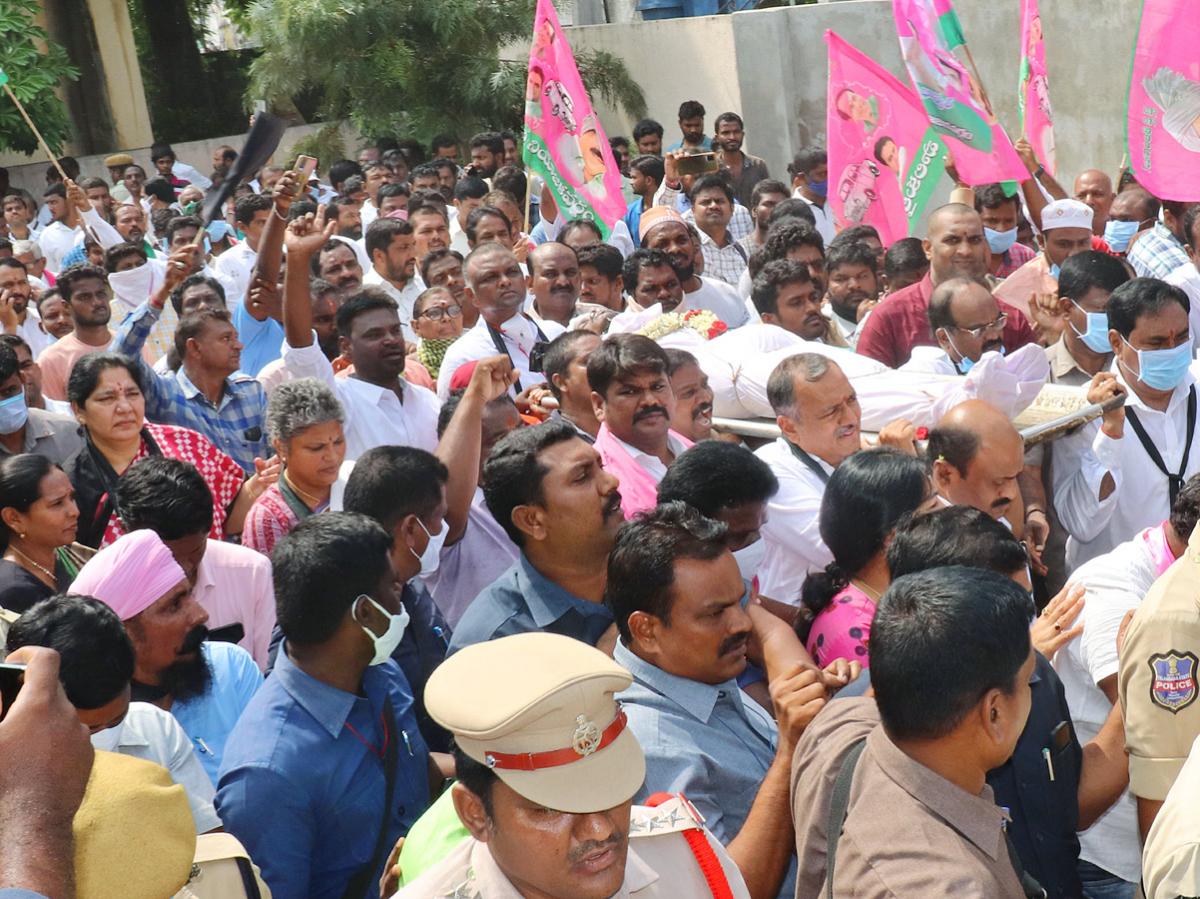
547	772
1157	684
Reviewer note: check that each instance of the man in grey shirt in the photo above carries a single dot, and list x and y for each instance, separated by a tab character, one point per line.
676	594
26	430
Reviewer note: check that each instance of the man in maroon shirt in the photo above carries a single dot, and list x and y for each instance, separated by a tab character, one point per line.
956	249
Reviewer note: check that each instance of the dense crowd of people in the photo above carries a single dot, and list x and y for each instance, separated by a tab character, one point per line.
389	533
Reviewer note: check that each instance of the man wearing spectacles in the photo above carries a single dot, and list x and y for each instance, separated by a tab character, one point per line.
966	322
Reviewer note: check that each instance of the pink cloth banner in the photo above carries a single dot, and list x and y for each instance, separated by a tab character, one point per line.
1163	116
1033	95
884	158
953	98
564	141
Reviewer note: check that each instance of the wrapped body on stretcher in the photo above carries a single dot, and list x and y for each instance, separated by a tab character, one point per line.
739	364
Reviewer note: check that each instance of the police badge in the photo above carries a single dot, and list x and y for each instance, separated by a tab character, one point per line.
1173	680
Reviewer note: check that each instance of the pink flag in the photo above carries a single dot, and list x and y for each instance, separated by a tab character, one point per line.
885	159
953	98
564	142
1163	117
1033	96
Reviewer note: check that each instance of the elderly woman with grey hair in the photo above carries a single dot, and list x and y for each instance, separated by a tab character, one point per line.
304	425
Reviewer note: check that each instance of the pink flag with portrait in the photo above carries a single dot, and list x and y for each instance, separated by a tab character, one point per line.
930	33
1163	116
884	158
563	141
1033	95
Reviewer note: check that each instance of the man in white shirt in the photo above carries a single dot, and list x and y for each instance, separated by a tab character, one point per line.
375	176
1118	475
381	407
664	230
96	670
977	458
810	180
17	316
1187	277
71	214
1115	584
235	266
392	248
966	322
496	285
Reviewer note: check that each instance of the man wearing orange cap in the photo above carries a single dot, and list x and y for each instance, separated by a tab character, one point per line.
547	770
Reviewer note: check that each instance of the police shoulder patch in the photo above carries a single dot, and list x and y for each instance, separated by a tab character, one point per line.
1173	680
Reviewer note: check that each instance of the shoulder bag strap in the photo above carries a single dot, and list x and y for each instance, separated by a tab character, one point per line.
839	804
1174	481
812	463
498	341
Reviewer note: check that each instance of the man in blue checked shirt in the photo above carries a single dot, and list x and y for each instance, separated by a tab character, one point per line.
207	394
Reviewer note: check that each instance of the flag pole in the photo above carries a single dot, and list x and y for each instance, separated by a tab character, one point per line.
32	127
528	196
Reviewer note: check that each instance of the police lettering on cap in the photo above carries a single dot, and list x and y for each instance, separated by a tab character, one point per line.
1066	214
540	710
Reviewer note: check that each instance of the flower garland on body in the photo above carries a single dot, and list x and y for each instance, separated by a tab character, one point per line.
702	321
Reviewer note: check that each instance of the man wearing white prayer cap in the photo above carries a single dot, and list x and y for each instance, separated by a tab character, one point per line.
1066	230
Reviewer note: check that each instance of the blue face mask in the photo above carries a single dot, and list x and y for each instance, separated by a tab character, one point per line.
1000	241
1095	338
820	188
1162	369
1118	234
13	413
966	363
1055	268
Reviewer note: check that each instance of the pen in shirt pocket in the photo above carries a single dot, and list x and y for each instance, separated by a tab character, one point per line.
407	742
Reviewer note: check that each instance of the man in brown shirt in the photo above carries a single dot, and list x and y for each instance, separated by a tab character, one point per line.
951	679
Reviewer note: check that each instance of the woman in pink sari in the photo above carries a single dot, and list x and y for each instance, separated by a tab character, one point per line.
865	497
304	423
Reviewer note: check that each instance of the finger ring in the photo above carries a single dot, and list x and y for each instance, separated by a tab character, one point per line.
1058	627
178	265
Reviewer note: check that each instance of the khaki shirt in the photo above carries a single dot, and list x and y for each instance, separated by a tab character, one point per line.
660	864
935	839
1063	367
1156	680
1171	859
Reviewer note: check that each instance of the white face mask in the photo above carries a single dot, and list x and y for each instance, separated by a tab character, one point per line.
750	557
433	549
386	644
134	286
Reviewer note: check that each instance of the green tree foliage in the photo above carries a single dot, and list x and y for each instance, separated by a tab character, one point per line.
35	66
411	67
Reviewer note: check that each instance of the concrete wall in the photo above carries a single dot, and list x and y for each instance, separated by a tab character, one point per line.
771	67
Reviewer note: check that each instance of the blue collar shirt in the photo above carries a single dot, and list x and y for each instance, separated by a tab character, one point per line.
303	780
523	600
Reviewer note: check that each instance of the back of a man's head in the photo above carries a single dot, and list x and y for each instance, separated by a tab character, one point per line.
940	641
321	567
1185	511
389	483
713	477
955	535
167	496
95	655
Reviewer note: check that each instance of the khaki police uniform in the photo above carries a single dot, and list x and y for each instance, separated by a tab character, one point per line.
1171	859
1157	678
539	710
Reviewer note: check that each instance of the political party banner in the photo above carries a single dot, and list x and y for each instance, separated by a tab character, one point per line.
1163	117
885	159
1033	93
563	141
930	35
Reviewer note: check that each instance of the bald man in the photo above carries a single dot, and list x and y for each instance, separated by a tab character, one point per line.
966	323
1133	211
956	248
979	460
1095	189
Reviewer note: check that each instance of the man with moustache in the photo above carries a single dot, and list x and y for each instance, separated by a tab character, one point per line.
978	457
692	415
785	294
392	248
677	595
550	492
852	281
204	685
15	315
665	230
554	281
632	399
966	322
